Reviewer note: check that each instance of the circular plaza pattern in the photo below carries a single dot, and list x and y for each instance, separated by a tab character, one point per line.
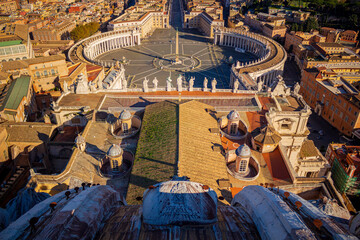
173	62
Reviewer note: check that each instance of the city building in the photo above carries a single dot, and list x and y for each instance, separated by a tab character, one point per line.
299	45
8	6
327	91
15	43
270	25
146	18
18	101
289	14
345	161
203	15
56	30
45	71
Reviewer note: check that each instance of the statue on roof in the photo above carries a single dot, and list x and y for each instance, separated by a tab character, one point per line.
205	84
236	86
297	88
260	85
179	83
145	84
168	84
191	84
213	85
155	82
124	83
65	87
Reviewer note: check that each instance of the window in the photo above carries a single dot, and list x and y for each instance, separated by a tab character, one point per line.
350	109
37	74
341	114
327	103
115	165
125	128
336	110
332	107
243	166
233	128
352	123
45	73
346	118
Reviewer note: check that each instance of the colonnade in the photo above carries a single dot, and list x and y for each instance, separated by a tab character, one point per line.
253	75
107	42
245	43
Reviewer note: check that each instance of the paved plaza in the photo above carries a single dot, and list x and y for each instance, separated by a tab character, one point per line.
200	58
213	60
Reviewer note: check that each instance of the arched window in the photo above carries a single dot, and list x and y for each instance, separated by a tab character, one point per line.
243	166
17	59
45	73
233	128
125	128
37	74
115	164
52	71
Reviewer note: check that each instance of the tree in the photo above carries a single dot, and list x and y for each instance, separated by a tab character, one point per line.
84	31
295	27
354	20
310	24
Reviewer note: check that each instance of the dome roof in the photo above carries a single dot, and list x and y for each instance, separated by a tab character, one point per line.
233	115
79	139
114	151
125	114
243	151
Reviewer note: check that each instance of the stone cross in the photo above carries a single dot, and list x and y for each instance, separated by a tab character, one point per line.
205	84
155	82
145	84
213	85
191	84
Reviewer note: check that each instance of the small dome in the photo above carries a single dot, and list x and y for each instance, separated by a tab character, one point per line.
243	151
233	115
124	115
114	151
79	139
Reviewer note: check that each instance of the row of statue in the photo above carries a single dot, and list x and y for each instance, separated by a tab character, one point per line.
179	83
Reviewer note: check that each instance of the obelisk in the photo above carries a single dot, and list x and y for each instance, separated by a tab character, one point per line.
177	47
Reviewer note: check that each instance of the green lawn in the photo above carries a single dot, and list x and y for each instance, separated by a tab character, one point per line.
156	154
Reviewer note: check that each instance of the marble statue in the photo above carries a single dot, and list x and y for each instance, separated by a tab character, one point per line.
65	87
92	87
124	84
260	85
145	84
213	85
205	84
297	88
191	84
100	84
155	82
168	84
82	86
236	86
179	83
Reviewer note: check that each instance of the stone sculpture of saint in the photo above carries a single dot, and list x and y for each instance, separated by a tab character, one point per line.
260	85
236	86
124	84
213	85
179	83
297	88
168	84
155	82
145	84
191	84
65	87
205	84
